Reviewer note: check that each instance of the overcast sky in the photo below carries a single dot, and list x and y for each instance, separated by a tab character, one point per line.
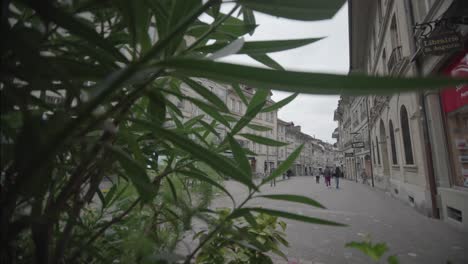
313	113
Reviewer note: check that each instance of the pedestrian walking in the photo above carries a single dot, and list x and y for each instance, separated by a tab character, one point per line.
289	173
318	175
327	174
273	181
337	176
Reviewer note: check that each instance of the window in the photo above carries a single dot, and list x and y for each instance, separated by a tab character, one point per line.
395	38
378	150
272	116
392	142
240	107
232	104
405	133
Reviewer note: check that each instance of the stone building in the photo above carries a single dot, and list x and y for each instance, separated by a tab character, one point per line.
417	148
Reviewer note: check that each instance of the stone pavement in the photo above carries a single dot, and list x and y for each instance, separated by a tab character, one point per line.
411	236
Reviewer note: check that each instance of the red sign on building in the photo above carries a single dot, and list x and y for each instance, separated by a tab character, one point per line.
456	97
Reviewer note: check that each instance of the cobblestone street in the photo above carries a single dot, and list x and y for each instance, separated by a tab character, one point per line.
411	236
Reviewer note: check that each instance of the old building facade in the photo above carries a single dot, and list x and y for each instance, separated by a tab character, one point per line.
315	152
411	144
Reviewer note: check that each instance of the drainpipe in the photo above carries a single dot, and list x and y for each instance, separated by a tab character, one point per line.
427	142
370	142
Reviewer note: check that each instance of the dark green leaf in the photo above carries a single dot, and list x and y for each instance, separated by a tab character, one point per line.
293	198
284	166
303	82
302	218
201	177
280	104
205	93
209	128
210	110
239	92
74	26
214	160
267	61
392	260
255	105
173	189
262	47
156	107
240	156
259	128
264	140
296	9
249	17
135	171
190	123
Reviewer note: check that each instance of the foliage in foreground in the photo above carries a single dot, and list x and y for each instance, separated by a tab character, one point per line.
374	251
120	67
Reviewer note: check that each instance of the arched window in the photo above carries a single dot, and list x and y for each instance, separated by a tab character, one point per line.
392	142
405	133
378	150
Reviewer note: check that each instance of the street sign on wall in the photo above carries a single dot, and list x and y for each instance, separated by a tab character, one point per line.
359	144
349	155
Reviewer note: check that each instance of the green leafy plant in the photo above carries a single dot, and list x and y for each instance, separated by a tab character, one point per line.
244	240
92	138
374	251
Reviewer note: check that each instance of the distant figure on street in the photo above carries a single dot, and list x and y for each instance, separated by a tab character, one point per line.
337	176
273	181
288	174
364	176
319	174
327	174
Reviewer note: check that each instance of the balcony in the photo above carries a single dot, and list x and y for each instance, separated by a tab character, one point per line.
395	60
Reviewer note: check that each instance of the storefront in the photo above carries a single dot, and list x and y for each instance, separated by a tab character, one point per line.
454	102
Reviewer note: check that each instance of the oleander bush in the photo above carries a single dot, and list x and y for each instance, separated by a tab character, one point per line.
99	165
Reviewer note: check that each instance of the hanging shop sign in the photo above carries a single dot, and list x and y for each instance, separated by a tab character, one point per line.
440	36
441	43
349	155
359	144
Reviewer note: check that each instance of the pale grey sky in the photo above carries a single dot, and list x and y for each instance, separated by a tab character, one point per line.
313	113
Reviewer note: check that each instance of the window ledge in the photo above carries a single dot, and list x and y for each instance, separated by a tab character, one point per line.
410	168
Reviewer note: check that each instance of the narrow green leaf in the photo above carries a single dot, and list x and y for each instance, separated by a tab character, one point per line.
172	188
74	26
259	128
304	82
255	106
190	123
296	9
156	107
262	47
264	140
284	166
392	259
135	171
210	110
267	61
292	198
239	92
201	177
280	104
249	17
240	156
209	128
101	198
199	152
292	216
205	93
110	194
